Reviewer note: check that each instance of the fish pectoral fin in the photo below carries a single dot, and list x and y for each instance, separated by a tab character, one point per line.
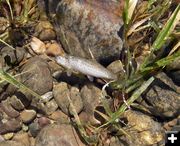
69	73
90	78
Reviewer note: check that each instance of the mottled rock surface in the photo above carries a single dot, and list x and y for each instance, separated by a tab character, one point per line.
10	126
4	23
37	75
34	129
58	135
91	99
12	56
44	31
143	130
8	109
22	138
59	116
62	94
16	103
11	143
162	97
85	25
28	116
173	70
51	107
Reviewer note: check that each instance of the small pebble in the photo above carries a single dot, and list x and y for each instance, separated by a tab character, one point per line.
34	129
43	121
59	116
47	34
54	49
8	136
37	77
16	103
51	106
28	116
44	30
37	45
47	96
116	67
25	128
8	109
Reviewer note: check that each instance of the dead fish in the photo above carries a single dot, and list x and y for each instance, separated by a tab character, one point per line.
88	67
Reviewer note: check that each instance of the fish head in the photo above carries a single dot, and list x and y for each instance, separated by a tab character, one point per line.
63	60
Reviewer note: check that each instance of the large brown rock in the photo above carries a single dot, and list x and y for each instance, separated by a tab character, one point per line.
173	71
58	135
38	76
144	131
162	97
22	138
90	25
11	143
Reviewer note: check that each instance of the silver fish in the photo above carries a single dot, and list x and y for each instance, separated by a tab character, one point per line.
88	67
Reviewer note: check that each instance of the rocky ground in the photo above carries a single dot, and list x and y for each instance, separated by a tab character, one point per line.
80	29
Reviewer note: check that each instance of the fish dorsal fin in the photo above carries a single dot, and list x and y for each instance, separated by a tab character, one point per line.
92	56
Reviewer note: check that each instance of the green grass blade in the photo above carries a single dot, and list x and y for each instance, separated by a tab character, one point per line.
151	2
10	79
10	8
126	83
161	38
89	140
134	96
169	59
7	44
104	100
163	62
125	12
134	86
129	10
167	30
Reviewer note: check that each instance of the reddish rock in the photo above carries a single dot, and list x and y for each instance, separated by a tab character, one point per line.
43	121
8	109
10	126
